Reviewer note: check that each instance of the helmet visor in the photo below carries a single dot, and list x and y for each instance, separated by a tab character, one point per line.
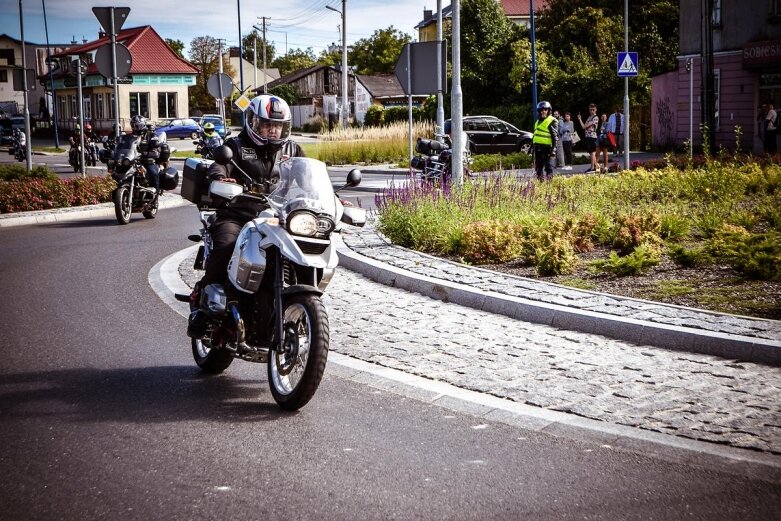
266	129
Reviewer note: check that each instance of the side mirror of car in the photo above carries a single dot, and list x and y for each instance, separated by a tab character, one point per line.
223	155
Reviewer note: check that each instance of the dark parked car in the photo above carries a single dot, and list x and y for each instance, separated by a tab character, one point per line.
491	135
6	131
180	128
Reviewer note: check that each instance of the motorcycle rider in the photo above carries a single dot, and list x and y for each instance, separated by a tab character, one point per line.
75	143
153	149
546	137
211	138
20	145
91	139
256	150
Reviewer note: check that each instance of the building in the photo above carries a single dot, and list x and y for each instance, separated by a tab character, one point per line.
427	28
319	91
12	101
156	86
248	70
517	11
382	90
747	72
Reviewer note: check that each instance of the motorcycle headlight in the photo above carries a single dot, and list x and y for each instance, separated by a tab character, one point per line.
308	224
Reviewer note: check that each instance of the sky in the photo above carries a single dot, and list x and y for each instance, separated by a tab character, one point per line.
290	24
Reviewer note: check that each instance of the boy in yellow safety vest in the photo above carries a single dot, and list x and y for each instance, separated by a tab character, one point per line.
546	137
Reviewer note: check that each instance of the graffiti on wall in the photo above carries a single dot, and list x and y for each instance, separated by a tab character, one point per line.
666	119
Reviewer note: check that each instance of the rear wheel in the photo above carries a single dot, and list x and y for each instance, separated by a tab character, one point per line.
525	147
295	373
123	206
210	359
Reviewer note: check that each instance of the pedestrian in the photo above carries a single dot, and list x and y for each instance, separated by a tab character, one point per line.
603	144
559	145
761	123
615	124
546	137
590	128
771	128
566	132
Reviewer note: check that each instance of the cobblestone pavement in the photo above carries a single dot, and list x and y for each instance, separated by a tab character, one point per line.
372	244
690	395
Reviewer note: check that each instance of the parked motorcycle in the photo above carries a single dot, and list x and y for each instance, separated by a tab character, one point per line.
134	192
271	311
434	161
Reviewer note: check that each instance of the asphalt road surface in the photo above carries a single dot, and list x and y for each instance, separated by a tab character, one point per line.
104	415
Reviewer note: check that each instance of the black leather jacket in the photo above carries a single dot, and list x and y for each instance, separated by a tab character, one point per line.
257	161
152	149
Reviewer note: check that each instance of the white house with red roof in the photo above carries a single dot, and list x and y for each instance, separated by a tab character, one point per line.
156	86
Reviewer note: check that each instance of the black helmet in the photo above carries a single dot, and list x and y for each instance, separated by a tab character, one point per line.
138	124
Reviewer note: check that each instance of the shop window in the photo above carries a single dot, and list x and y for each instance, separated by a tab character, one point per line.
166	105
716	95
716	19
100	112
775	11
4	76
139	104
63	107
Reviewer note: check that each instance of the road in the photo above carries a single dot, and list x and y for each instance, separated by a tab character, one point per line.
103	415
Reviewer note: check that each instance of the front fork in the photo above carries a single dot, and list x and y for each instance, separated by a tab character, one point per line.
279	284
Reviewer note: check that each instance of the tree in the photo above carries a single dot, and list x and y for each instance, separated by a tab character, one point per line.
379	53
295	60
248	49
176	45
333	58
204	52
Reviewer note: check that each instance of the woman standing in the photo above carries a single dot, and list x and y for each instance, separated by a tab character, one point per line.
566	129
603	144
590	128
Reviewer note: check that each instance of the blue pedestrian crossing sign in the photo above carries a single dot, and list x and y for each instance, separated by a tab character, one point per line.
626	63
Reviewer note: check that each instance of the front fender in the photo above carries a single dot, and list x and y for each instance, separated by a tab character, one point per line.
275	235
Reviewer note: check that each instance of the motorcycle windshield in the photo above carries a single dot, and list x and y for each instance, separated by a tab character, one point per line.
304	178
126	146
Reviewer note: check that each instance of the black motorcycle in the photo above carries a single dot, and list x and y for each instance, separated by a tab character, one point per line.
134	192
434	162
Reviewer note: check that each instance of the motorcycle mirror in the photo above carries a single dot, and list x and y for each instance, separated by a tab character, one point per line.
353	179
223	155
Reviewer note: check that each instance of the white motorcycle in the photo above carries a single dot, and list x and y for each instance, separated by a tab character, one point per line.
283	260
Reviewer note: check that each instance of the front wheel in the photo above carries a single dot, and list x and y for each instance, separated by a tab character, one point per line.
525	147
123	206
295	373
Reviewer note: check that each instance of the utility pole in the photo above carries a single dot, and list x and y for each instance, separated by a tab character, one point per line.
345	72
534	62
456	99
79	77
28	145
255	55
51	78
222	94
626	88
265	78
440	79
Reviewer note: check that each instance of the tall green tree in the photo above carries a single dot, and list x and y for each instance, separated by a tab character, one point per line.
176	45
248	48
379	53
295	60
204	54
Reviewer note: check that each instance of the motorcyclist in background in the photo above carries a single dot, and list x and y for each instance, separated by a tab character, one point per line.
256	150
91	140
210	136
152	148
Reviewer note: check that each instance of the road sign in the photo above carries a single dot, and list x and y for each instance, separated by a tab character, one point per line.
122	80
103	60
422	60
242	102
103	14
19	79
626	64
214	82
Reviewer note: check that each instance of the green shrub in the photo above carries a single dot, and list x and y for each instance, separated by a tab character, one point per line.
643	258
488	242
689	257
556	258
757	256
673	227
495	162
630	229
45	193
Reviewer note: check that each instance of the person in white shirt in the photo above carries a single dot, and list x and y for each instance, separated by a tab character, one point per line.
616	124
771	129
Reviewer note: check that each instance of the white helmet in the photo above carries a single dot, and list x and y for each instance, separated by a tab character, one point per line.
268	120
138	124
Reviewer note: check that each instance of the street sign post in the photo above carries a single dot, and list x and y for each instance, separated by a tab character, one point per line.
112	19
626	64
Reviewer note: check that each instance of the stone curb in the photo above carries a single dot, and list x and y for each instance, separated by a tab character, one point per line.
77	213
621	328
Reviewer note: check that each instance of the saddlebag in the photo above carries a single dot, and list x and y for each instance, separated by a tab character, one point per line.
195	184
169	179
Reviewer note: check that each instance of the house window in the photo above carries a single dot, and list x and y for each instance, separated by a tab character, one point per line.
716	13
63	105
166	105
87	101
139	104
100	111
4	76
111	106
74	108
775	8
